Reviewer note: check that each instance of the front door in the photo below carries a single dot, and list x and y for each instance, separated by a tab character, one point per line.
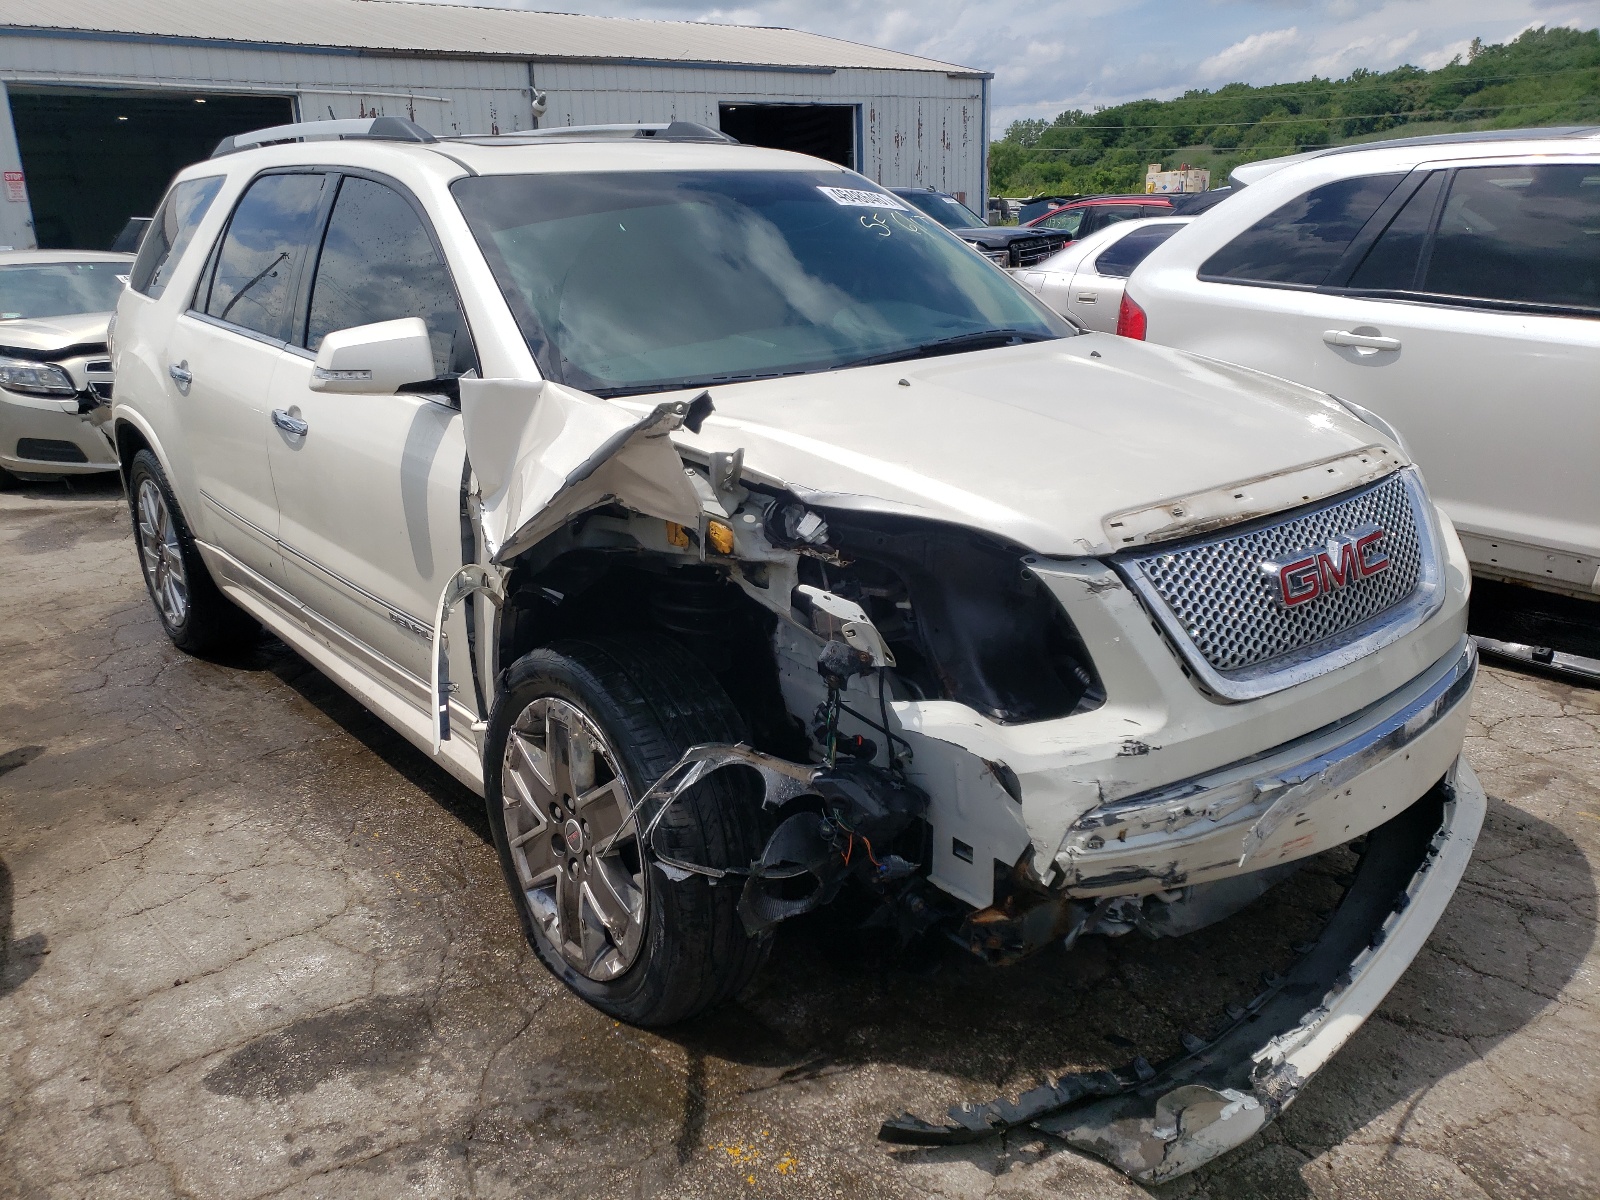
370	487
224	352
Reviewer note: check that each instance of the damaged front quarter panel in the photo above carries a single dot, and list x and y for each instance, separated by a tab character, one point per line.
543	453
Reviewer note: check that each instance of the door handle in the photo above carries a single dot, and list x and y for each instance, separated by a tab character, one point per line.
1088	297
1361	341
181	375
290	425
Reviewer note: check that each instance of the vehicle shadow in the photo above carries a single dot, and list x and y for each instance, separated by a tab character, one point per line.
19	956
928	1025
825	1005
272	655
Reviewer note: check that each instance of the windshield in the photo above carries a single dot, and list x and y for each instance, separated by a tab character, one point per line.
650	281
45	289
946	210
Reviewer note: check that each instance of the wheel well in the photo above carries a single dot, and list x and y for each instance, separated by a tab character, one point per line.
607	592
129	442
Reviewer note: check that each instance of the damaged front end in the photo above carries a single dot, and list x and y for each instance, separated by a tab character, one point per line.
927	721
1156	1122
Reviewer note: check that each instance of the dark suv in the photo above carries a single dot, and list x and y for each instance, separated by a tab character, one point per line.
1008	246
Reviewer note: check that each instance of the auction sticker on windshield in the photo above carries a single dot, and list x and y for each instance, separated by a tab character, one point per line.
859	198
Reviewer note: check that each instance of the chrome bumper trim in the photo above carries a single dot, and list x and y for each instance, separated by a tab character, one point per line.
1249	801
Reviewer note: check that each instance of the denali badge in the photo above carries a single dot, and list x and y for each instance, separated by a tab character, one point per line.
1301	577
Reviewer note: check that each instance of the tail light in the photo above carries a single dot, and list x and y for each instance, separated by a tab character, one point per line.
1131	322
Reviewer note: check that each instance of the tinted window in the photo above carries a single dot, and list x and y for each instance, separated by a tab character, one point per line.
253	280
378	264
1529	234
60	289
946	210
1303	240
1118	261
634	282
169	234
1392	262
1110	214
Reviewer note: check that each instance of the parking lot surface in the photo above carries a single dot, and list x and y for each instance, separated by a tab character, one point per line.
252	943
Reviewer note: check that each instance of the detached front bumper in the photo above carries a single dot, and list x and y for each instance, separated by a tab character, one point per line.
1156	1123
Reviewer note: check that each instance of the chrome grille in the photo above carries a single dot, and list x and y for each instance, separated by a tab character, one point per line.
1222	601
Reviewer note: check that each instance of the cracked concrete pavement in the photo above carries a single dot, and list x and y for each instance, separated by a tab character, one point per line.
253	944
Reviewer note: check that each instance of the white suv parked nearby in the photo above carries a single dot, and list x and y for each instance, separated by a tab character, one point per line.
744	538
1451	285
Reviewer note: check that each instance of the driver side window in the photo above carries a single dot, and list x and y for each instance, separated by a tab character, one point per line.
379	264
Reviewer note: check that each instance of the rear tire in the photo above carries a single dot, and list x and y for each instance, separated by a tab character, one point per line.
195	614
618	712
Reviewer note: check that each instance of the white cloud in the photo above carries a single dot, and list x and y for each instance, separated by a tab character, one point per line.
1243	55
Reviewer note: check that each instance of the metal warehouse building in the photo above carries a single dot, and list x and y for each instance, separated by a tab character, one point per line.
105	99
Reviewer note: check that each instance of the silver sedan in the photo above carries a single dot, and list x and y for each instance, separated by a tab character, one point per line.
1085	279
55	374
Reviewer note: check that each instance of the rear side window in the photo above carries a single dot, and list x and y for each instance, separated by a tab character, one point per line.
170	233
1118	261
1396	257
1527	234
257	264
379	264
1299	243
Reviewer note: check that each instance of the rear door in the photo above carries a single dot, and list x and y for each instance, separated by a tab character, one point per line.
1096	290
370	487
222	355
1473	325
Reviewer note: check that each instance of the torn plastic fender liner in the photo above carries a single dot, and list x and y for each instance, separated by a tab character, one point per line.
1156	1123
543	453
857	800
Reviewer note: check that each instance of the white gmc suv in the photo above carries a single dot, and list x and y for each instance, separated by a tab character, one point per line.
743	537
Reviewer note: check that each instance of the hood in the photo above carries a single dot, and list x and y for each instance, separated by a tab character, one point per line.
51	338
996	236
1048	444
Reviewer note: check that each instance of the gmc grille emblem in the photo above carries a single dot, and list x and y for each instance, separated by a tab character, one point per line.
1301	577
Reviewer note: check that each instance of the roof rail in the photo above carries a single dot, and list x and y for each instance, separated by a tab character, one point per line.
1254	172
675	131
388	129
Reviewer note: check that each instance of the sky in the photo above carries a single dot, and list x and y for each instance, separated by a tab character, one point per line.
1052	55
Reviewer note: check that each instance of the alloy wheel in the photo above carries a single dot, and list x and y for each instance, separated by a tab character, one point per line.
163	556
573	843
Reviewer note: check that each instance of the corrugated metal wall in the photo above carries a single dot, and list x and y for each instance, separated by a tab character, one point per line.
917	128
443	95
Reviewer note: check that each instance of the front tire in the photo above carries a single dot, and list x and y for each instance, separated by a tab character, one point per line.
581	730
195	614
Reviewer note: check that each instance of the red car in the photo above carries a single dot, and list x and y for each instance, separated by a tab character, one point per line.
1083	216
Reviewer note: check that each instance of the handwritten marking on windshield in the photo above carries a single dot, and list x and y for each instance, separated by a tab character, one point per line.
877	223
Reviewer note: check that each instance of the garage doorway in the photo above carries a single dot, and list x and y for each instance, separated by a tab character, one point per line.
822	130
93	159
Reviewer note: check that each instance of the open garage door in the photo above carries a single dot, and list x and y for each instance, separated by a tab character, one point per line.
824	130
93	159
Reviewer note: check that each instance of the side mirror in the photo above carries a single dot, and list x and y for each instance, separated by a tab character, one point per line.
376	359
